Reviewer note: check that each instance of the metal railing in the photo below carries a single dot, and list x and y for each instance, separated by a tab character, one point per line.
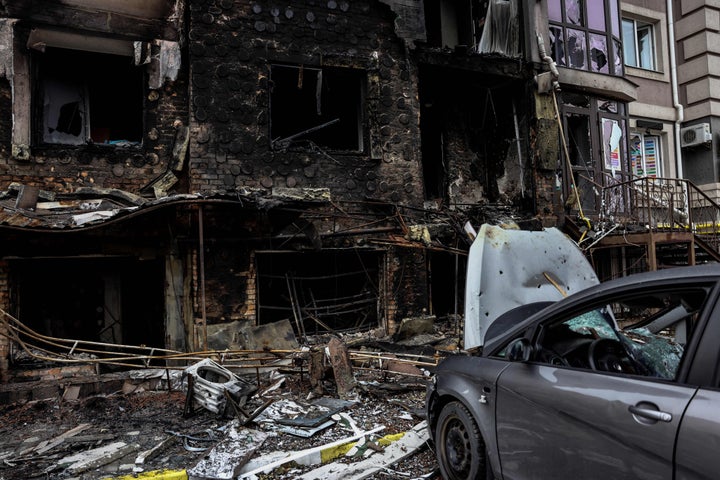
661	205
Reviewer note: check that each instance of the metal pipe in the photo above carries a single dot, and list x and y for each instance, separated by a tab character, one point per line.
201	260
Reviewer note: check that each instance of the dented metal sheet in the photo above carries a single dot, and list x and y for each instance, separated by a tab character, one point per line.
210	382
512	268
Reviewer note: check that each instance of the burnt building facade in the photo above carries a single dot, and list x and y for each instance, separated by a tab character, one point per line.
171	168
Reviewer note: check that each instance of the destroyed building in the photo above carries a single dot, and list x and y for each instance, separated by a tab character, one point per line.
172	169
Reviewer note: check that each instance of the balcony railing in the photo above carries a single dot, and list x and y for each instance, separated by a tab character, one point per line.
661	205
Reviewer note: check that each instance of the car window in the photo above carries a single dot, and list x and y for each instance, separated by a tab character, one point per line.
642	334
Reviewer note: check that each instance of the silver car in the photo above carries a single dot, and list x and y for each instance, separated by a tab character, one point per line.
618	381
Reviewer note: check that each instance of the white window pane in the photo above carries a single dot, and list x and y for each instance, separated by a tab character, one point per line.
645	46
628	32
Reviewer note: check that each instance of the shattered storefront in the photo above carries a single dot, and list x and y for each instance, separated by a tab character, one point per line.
190	272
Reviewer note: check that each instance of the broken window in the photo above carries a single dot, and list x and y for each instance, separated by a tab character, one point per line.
645	159
640	334
88	97
593	125
586	35
316	106
451	24
319	292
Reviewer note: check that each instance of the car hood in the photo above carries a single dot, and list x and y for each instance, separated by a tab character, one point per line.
511	268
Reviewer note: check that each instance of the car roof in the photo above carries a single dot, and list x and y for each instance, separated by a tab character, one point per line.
685	274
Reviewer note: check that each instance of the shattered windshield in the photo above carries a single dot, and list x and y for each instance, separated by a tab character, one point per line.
644	334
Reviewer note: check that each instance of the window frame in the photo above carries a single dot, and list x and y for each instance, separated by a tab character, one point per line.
637	25
594	168
41	60
613	38
644	137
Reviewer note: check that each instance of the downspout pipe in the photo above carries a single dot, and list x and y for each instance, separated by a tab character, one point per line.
679	116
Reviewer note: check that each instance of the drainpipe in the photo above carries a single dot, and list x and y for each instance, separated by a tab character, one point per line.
679	117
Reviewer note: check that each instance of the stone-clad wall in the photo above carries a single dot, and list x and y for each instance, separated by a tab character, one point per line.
64	168
232	46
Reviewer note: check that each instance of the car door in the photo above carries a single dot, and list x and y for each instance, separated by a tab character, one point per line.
564	415
698	441
557	422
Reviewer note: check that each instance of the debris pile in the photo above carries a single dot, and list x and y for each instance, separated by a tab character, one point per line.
339	407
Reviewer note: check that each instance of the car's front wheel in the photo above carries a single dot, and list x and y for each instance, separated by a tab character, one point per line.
459	447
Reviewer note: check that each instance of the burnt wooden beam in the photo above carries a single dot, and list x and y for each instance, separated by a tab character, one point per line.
47	12
485	64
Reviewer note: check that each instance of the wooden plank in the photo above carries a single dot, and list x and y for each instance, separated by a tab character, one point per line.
61	438
342	369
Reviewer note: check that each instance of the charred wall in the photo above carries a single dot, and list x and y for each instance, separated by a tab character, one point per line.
255	67
102	160
5	124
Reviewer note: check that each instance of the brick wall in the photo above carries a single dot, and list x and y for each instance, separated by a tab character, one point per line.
64	168
232	47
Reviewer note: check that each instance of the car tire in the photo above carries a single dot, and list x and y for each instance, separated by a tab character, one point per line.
459	447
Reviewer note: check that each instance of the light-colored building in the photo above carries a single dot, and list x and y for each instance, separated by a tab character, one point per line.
638	172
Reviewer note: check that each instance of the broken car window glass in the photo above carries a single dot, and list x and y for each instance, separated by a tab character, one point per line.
312	107
89	98
644	334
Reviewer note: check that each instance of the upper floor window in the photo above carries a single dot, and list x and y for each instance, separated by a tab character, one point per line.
88	97
316	106
638	44
585	35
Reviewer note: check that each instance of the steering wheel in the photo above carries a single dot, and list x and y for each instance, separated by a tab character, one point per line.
607	355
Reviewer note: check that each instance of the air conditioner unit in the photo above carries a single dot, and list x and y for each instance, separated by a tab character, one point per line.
695	135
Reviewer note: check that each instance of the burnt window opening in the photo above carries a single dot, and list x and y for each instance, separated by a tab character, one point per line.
451	24
319	292
87	97
317	107
110	300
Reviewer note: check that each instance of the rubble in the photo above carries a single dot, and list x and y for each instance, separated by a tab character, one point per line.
360	412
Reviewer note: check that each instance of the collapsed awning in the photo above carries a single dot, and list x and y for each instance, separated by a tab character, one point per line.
91	207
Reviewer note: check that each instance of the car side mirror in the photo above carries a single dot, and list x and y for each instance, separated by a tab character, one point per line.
519	350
